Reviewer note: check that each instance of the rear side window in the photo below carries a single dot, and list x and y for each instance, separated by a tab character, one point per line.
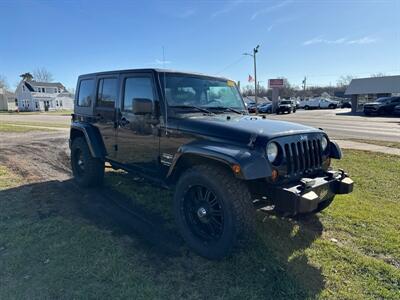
107	92
137	87
85	92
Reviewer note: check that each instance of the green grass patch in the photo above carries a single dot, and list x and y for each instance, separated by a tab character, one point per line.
7	178
56	113
48	249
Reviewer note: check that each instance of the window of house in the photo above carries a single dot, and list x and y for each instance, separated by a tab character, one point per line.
36	105
85	92
60	102
107	92
56	102
23	88
137	87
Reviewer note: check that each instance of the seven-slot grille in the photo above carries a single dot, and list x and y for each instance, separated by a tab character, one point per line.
303	156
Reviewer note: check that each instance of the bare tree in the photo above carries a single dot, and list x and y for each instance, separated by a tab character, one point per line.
3	82
344	81
42	74
379	74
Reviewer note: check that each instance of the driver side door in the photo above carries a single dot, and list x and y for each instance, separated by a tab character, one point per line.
137	134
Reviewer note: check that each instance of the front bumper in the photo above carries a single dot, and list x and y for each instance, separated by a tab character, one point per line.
306	195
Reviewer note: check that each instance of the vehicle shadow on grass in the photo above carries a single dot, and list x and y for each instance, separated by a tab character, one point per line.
274	266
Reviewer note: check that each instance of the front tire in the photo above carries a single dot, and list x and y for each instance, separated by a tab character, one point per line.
213	211
87	170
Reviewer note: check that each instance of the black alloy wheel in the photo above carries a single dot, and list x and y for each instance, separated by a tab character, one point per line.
203	213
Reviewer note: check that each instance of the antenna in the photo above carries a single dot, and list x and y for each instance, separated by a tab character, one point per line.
165	94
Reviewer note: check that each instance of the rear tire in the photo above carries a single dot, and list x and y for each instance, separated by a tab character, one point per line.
87	170
214	225
306	107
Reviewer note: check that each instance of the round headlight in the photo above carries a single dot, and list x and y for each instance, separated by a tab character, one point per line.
272	151
324	143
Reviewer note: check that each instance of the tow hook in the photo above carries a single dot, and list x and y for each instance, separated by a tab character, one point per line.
307	183
343	174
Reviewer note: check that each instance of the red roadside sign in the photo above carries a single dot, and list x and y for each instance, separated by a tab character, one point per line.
275	83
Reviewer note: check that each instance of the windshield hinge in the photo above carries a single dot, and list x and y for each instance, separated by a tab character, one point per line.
252	140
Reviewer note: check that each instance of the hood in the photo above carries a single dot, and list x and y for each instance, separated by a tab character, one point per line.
240	128
374	103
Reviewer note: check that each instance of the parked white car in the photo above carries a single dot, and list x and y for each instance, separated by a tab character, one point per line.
318	103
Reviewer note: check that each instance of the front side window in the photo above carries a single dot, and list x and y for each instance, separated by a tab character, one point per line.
137	87
107	92
85	92
202	92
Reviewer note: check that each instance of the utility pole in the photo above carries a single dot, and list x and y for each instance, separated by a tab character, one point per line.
304	85
255	50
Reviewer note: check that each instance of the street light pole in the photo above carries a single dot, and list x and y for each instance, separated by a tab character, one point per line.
255	50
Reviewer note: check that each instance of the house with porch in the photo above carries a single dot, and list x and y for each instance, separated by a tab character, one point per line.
43	96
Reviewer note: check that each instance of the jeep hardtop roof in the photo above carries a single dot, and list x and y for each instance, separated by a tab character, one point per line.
155	70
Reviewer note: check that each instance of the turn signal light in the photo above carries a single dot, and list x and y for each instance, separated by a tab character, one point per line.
274	175
236	169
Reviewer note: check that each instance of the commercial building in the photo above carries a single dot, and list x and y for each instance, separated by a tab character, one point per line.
363	90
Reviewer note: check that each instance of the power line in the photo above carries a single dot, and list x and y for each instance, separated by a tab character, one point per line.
231	64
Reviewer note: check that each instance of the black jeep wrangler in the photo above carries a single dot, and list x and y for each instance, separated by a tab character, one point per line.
192	133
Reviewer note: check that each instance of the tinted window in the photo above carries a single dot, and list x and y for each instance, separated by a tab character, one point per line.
137	87
396	100
107	92
85	92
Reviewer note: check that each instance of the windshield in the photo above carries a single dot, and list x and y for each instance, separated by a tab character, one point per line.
286	102
382	100
185	90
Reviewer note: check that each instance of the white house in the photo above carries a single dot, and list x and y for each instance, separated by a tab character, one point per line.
43	96
8	101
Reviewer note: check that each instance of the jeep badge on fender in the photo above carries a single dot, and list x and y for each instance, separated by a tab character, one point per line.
192	133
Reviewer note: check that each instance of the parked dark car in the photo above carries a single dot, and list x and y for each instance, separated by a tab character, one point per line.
191	133
346	104
381	106
265	108
286	106
397	110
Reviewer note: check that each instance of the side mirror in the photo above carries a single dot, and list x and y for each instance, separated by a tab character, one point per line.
142	106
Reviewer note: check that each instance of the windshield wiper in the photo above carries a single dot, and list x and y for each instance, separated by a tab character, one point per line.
228	109
192	107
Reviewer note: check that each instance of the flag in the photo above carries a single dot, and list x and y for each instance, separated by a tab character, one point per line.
250	78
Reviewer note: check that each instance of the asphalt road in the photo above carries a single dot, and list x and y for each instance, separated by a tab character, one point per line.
341	124
338	123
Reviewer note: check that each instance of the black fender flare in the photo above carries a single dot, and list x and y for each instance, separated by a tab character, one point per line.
253	163
92	137
335	151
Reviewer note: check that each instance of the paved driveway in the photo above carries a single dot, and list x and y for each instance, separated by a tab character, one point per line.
340	124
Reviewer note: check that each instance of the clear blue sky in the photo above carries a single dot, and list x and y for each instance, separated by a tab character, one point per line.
320	39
